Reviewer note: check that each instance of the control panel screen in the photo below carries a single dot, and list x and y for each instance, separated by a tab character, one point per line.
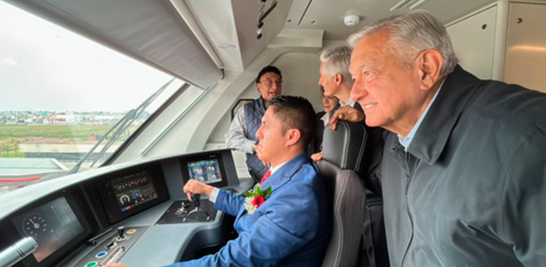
134	190
52	226
206	167
128	192
206	171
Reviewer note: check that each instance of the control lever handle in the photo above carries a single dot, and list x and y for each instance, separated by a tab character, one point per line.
195	201
196	198
197	212
121	233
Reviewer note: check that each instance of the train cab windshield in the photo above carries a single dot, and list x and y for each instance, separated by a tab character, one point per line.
72	102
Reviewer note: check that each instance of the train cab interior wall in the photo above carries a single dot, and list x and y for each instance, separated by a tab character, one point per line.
126	203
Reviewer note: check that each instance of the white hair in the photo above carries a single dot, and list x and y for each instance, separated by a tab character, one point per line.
337	60
411	33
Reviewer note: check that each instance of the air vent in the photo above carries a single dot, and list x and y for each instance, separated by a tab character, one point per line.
407	5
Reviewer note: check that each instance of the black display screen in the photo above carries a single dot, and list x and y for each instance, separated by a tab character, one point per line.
208	169
134	190
128	192
205	171
52	226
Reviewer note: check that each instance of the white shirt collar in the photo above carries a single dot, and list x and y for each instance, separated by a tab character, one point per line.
325	118
274	169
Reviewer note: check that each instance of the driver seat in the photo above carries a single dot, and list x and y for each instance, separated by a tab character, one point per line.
343	151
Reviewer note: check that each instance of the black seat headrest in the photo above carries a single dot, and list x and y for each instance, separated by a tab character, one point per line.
345	146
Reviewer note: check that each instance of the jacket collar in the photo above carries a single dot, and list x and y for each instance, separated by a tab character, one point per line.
285	173
262	103
436	128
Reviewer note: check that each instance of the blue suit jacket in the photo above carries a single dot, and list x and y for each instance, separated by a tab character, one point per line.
291	228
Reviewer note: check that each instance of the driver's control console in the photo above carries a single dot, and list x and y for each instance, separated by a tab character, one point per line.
112	247
189	211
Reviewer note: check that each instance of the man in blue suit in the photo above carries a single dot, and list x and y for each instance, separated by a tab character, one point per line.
292	227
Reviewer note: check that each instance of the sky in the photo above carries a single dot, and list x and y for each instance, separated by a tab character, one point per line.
46	67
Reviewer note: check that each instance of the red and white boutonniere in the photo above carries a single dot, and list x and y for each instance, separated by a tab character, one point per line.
255	197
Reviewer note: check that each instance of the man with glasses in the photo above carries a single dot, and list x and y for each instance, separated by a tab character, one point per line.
242	132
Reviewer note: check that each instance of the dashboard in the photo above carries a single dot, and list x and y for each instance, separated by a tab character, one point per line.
135	213
51	225
128	192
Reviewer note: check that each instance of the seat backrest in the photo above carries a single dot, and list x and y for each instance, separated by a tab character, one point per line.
343	150
345	146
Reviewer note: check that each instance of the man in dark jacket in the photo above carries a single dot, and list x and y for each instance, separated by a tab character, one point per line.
242	131
464	169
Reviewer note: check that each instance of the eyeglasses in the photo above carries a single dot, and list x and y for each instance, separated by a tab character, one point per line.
269	82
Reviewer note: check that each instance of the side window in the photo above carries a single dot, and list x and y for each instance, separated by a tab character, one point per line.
62	94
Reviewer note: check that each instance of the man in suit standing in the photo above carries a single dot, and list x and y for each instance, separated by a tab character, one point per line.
292	226
335	81
463	169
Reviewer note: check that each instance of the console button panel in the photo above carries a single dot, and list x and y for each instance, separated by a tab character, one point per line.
112	248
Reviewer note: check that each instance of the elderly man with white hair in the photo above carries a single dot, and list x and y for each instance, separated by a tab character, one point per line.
463	171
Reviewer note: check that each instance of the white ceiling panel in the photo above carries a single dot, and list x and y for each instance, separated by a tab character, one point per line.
329	15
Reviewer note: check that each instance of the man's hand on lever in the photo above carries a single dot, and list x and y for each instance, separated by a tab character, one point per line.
196	187
191	187
346	113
